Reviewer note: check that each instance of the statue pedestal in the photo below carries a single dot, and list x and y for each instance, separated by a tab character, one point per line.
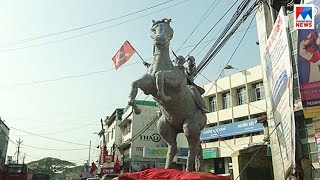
160	173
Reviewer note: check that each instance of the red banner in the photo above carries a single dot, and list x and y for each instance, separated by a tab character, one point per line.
103	154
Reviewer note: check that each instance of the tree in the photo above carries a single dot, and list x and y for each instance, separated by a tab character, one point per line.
51	166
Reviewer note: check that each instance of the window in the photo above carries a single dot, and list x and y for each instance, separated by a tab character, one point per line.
241	96
212	104
108	136
226	102
127	129
112	133
257	92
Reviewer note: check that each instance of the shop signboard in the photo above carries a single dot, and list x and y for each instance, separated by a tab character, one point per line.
209	153
155	152
317	139
233	129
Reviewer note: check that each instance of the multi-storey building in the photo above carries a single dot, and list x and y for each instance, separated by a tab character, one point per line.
113	136
305	128
110	139
235	102
4	139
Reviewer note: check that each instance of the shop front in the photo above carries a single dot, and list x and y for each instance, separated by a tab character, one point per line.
213	162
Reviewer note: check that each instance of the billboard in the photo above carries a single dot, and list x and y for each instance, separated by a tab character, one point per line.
233	129
161	152
277	74
317	140
308	61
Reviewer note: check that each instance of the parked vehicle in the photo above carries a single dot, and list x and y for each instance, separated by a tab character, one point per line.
16	172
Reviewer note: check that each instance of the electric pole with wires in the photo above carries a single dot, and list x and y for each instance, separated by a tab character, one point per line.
18	152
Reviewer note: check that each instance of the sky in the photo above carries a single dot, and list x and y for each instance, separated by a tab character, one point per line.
60	86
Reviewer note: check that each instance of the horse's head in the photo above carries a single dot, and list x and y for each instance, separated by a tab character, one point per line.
161	32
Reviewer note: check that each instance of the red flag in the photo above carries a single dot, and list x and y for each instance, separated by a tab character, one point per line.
93	167
117	167
123	55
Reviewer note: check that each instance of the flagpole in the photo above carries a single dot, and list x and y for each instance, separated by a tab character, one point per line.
144	62
139	55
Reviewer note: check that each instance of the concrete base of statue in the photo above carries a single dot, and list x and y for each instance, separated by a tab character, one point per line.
161	173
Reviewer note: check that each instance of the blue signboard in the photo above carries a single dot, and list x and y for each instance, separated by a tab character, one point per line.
233	129
182	152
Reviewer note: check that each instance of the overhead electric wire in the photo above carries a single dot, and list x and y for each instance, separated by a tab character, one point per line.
146	128
213	27
235	50
233	53
204	17
210	40
51	149
216	48
72	129
232	21
74	76
223	89
43	148
83	34
81	27
103	71
243	36
215	38
69	142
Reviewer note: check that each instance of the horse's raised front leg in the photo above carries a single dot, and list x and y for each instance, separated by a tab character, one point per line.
169	135
160	76
145	84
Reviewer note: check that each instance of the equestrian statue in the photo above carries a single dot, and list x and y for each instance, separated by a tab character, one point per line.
182	109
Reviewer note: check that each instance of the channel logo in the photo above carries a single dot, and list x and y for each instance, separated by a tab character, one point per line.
304	16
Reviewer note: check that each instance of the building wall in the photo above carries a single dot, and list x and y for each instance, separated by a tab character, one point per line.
131	126
246	103
113	137
150	137
4	139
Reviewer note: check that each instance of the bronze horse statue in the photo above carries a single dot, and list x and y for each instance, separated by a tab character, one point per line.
180	112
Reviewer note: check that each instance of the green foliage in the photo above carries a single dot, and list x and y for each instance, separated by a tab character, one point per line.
51	166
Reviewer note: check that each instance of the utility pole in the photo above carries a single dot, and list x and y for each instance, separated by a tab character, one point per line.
24	157
89	152
19	144
102	130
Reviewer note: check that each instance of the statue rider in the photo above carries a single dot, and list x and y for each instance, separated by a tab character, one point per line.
190	72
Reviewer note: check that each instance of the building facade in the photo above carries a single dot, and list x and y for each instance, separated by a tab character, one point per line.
139	133
4	139
142	146
110	138
235	102
305	128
